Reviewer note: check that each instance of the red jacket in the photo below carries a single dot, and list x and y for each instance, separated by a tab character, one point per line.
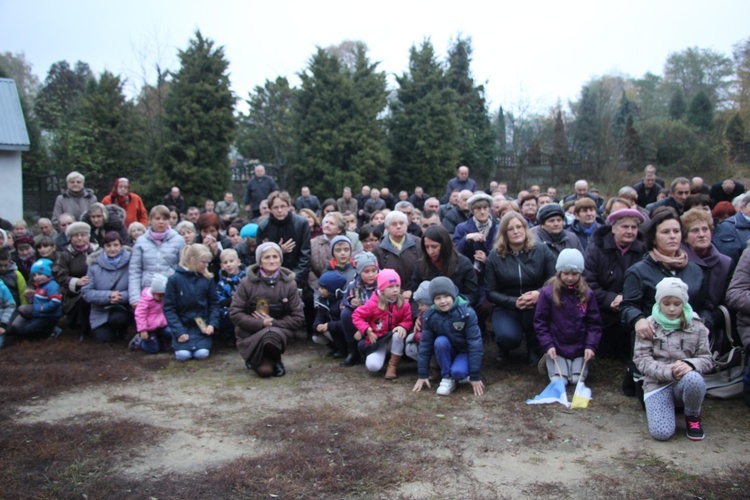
381	321
134	211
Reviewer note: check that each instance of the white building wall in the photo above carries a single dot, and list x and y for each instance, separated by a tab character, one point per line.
11	186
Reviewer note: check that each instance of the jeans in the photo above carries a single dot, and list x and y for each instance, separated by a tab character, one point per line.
511	326
452	365
184	355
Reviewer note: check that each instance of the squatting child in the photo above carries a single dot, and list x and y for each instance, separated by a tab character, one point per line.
153	332
327	325
358	292
230	275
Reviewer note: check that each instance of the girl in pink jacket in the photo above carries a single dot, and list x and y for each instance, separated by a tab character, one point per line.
383	322
153	333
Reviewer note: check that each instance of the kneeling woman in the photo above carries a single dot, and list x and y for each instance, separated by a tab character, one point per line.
191	304
266	310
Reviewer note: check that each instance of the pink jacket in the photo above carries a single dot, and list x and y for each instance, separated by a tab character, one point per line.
149	314
381	321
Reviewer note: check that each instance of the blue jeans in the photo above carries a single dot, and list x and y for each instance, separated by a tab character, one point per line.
510	326
184	355
452	365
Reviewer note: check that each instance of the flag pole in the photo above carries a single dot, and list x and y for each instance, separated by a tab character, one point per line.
559	371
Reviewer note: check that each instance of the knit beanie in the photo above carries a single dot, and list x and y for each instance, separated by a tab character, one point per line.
478	197
269	245
42	266
364	259
249	230
77	227
340	238
442	286
570	259
422	295
388	277
672	287
547	211
158	283
332	281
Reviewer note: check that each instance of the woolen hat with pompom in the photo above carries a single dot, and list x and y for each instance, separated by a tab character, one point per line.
388	277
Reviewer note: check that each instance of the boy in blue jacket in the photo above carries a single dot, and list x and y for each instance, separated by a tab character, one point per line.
451	327
7	308
327	325
47	303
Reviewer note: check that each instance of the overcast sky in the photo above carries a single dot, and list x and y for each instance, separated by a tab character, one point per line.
528	52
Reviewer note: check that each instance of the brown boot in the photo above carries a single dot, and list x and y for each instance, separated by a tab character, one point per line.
390	372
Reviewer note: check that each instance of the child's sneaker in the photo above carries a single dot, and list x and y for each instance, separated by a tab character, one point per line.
447	385
693	427
135	343
56	332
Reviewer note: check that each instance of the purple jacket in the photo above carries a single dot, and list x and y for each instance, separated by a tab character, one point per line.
571	328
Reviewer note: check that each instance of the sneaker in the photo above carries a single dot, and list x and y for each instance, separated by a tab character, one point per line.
135	343
320	339
56	332
447	385
693	427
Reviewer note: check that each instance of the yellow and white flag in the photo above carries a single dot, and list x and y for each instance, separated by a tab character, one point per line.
581	396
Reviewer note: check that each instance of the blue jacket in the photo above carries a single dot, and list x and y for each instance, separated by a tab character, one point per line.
460	325
225	289
7	305
189	296
47	301
328	310
731	236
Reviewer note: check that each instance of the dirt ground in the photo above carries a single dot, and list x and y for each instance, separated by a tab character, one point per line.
97	421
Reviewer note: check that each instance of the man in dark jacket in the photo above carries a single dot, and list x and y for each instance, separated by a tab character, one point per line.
679	191
732	235
648	188
726	190
257	190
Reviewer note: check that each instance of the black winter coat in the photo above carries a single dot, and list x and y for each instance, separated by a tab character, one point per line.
508	278
297	228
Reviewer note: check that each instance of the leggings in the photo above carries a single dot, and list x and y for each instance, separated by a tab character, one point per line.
376	360
689	390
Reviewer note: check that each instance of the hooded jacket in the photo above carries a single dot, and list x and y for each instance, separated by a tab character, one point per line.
148	259
460	325
189	296
571	328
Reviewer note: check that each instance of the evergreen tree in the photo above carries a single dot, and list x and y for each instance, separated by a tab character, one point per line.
677	105
475	135
631	144
423	125
59	95
586	135
341	142
701	112
559	143
500	132
199	124
627	109
735	133
267	132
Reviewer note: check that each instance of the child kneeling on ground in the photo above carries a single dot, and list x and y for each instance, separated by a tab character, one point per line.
191	305
672	362
567	320
450	326
153	334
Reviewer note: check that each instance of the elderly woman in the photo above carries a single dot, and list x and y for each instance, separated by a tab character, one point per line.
266	310
71	273
586	220
104	220
665	259
75	200
612	250
399	251
156	252
516	269
550	220
135	210
107	289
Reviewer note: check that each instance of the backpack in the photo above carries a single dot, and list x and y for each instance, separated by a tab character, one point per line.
725	381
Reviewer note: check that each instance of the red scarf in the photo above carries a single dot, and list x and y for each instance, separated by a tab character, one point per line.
122	201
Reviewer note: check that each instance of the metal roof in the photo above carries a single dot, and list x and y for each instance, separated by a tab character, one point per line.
13	134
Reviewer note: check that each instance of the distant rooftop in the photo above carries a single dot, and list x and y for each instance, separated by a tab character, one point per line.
13	134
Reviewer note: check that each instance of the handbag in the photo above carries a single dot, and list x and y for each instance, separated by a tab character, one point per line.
725	381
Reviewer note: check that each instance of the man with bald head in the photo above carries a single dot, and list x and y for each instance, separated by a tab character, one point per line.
460	182
460	213
257	190
726	190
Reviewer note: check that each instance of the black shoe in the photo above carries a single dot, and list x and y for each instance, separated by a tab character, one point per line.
248	365
628	384
338	355
693	428
350	360
278	369
502	356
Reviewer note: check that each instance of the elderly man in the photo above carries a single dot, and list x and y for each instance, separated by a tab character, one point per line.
697	186
227	209
62	240
307	200
258	189
431	203
347	203
362	198
726	190
732	235
419	198
648	188
408	209
460	182
388	198
45	229
552	192
75	200
174	199
458	214
373	204
582	191
679	191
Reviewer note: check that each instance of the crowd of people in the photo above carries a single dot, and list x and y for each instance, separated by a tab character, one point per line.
377	278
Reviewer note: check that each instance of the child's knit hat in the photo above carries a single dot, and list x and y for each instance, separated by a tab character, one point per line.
332	281
442	286
672	287
422	295
158	283
42	266
249	230
364	259
339	239
570	259
388	277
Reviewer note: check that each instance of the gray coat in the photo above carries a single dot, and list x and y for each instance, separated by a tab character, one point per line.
103	278
66	203
149	258
738	296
